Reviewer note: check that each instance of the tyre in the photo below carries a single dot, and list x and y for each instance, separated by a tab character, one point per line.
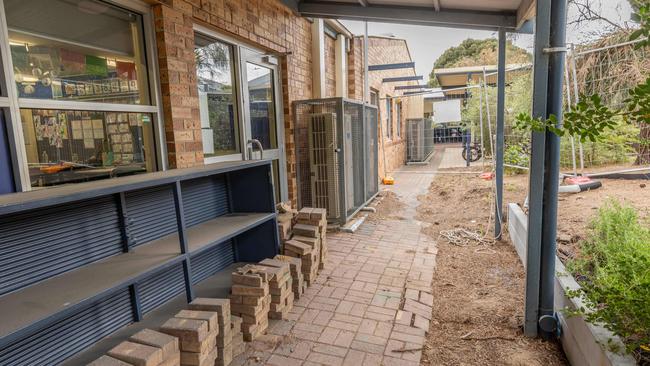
475	154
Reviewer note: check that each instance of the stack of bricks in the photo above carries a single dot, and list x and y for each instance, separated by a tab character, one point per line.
250	299
312	228
295	265
280	287
147	347
285	219
238	345
308	258
221	309
197	334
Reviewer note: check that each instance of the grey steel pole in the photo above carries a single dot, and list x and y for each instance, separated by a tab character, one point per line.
501	109
480	121
548	324
536	178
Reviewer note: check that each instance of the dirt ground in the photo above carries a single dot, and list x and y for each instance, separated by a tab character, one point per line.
575	211
479	287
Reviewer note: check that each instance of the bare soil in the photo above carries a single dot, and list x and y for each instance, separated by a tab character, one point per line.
478	288
575	211
388	208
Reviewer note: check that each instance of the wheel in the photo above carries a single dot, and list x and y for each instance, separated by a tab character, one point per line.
475	154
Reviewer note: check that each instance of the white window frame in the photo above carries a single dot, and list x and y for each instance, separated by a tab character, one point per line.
398	114
389	117
239	51
12	104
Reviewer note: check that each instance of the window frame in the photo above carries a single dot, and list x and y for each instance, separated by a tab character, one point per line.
12	104
389	117
398	113
236	57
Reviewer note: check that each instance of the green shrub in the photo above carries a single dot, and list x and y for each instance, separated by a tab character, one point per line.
614	272
516	155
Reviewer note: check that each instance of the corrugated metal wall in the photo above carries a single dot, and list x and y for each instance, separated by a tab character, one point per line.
151	214
54	344
162	286
39	244
204	199
211	261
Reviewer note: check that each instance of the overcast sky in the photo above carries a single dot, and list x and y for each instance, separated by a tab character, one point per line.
428	43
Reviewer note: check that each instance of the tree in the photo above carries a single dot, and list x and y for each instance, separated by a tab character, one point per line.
477	52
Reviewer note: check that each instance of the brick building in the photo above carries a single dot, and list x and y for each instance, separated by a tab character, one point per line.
258	47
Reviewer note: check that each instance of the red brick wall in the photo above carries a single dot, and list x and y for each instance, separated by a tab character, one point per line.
265	24
175	44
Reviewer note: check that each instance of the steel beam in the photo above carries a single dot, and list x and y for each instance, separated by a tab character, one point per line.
536	178
411	15
501	112
402	65
406	87
402	78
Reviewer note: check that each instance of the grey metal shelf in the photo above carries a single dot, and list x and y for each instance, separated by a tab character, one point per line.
80	262
34	303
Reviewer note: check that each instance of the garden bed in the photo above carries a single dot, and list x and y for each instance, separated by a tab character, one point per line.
584	343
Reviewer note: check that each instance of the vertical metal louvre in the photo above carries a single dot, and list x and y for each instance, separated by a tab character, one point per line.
160	287
204	199
39	244
151	214
54	344
211	261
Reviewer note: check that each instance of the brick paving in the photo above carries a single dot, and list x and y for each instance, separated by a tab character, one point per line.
372	298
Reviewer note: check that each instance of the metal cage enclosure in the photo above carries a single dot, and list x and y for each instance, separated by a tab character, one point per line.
336	155
419	140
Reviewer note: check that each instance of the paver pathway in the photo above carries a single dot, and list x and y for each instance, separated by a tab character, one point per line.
371	305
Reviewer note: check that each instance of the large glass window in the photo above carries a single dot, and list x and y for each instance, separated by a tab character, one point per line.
66	146
389	117
85	50
217	97
262	105
81	79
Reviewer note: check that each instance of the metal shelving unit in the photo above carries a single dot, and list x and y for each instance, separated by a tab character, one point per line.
82	261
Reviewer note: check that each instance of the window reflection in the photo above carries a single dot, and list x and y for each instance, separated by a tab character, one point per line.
98	57
262	105
215	74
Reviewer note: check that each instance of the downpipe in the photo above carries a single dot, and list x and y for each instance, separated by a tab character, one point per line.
548	321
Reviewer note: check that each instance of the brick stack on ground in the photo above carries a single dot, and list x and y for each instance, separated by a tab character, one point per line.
314	217
286	219
238	345
224	340
197	335
308	258
295	265
250	299
145	348
280	287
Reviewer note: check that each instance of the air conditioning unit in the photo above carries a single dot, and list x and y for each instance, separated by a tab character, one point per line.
324	162
416	141
348	162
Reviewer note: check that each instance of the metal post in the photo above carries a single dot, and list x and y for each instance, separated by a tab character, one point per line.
487	109
536	178
569	102
480	121
576	96
182	238
548	323
501	108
